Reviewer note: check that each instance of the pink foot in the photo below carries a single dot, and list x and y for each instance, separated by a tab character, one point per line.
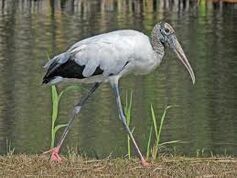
54	154
145	163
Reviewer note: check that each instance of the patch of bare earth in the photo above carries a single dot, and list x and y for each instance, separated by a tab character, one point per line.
40	166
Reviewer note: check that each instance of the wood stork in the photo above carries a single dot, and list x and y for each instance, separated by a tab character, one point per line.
108	57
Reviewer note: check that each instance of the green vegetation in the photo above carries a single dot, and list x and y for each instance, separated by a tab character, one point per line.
154	150
9	148
54	115
151	150
55	110
127	111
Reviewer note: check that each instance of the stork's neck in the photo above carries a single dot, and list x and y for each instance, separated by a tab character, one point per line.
157	46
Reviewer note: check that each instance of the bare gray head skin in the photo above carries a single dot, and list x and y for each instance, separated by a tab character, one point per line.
163	35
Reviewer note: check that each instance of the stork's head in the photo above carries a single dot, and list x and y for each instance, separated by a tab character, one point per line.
166	35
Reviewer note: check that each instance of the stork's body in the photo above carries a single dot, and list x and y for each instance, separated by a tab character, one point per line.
108	57
98	58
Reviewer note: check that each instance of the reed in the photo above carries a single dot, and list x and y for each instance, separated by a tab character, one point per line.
152	147
152	150
56	98
127	111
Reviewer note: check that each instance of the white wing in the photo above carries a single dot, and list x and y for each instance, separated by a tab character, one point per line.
109	51
106	54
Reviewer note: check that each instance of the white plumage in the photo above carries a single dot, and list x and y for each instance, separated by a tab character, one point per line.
116	53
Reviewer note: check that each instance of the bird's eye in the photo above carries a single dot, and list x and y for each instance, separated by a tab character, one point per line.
167	30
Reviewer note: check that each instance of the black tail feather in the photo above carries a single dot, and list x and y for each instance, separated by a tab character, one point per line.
46	80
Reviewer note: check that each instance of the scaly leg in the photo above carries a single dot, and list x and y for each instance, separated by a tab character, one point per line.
114	84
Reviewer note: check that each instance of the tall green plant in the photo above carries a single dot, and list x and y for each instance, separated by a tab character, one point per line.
55	110
157	131
154	150
127	111
149	143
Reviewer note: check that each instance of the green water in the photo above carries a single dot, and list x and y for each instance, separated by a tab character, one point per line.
205	118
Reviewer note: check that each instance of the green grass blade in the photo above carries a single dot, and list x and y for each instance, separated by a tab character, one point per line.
149	143
161	123
159	132
54	96
126	103
59	126
154	121
69	88
129	147
54	102
55	109
169	142
127	110
130	108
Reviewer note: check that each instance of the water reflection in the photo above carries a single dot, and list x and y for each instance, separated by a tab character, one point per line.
205	118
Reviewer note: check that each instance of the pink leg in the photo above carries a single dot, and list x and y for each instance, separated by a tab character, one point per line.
115	88
54	154
144	163
55	151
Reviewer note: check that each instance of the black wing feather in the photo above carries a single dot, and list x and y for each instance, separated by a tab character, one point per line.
69	69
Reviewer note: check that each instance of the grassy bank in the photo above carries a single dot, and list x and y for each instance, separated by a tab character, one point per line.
39	165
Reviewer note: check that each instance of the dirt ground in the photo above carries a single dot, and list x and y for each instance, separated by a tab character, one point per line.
75	166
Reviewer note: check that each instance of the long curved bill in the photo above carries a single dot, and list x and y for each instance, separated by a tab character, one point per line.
175	45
